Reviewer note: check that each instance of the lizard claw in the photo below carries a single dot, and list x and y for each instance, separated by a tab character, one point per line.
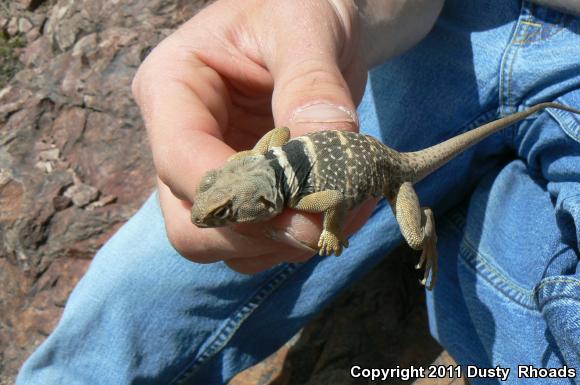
429	259
329	243
421	261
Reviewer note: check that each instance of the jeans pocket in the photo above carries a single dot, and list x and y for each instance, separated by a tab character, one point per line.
568	121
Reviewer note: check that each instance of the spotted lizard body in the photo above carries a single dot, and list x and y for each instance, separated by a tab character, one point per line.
331	172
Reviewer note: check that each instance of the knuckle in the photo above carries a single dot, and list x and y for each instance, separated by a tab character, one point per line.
147	71
139	79
163	168
317	74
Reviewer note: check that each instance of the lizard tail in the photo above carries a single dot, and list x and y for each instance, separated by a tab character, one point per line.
425	161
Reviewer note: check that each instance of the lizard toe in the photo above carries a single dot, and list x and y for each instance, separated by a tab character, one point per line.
329	244
422	260
429	258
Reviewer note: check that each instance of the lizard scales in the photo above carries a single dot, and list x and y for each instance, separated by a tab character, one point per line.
356	165
331	172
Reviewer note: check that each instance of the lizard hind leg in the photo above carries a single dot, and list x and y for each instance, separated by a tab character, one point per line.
417	225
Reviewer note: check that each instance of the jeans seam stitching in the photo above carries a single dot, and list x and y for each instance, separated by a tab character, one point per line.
512	62
548	281
521	36
551	30
503	288
491	274
566	198
495	273
234	322
564	119
509	55
543	299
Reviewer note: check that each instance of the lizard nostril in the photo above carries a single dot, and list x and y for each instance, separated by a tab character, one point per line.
199	221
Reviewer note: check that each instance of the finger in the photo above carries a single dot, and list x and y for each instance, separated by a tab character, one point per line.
184	104
310	92
302	230
299	230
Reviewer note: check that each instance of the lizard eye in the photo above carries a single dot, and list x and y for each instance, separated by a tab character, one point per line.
222	212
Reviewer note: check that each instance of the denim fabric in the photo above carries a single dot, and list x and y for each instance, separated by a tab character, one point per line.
508	214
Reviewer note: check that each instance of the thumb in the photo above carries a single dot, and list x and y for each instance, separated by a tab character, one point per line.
308	68
312	95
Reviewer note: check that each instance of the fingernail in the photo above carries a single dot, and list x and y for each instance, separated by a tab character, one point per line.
323	113
289	239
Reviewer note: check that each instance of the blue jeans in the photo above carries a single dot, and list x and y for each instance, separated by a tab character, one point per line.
508	214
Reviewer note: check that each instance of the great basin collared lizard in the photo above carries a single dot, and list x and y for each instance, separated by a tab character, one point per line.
331	172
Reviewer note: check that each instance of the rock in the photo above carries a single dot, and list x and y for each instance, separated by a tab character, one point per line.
82	194
32	317
12	27
85	45
24	25
106	200
31	5
52	154
269	371
69	112
36	54
61	202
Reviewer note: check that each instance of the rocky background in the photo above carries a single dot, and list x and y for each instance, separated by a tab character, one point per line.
74	166
74	163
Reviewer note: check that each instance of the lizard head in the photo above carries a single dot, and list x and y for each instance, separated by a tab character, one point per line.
243	190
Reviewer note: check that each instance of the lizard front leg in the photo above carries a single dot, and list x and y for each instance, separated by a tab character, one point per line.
273	138
417	225
331	203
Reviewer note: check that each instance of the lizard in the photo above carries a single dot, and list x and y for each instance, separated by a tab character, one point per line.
331	172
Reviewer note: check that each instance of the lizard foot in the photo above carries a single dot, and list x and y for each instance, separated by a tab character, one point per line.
330	243
429	260
429	253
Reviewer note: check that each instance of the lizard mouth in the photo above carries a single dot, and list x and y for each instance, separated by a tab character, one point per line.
209	223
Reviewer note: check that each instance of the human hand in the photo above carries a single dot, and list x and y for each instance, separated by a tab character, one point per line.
219	83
